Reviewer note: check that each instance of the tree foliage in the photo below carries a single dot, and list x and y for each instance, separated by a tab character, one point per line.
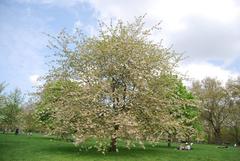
118	84
27	118
186	117
10	110
233	122
2	103
215	104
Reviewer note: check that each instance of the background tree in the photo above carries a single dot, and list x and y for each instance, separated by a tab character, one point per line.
233	87
116	85
11	110
2	103
53	119
27	119
215	104
2	97
186	116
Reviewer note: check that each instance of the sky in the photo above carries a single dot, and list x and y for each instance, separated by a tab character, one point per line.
205	31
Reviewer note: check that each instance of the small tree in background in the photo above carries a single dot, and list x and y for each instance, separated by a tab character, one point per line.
11	109
187	126
28	120
2	104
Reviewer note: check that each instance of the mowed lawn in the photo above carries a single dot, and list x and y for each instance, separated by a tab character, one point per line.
37	147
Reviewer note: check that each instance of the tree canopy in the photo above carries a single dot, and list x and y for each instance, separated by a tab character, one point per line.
215	104
118	84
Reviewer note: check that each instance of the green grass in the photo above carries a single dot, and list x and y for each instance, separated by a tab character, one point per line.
37	147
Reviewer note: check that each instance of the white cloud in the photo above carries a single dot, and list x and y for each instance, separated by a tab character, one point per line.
61	3
34	79
171	11
200	71
203	23
205	29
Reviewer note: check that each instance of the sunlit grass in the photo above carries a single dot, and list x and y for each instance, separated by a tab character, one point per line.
37	147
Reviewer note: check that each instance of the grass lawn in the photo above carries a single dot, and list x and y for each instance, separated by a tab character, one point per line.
36	148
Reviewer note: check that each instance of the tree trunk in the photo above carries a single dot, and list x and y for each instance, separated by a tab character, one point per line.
169	141
217	134
209	133
236	135
113	145
209	136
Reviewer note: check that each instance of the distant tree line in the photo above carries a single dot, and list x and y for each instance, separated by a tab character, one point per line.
220	109
15	113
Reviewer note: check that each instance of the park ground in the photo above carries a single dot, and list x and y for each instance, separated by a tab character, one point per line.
41	148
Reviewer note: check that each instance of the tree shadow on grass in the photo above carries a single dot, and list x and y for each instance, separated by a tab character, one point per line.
68	149
123	152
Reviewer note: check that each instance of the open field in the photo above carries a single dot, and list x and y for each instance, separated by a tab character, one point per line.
37	147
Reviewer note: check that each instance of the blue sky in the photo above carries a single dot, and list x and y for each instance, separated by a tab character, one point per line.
23	43
207	31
